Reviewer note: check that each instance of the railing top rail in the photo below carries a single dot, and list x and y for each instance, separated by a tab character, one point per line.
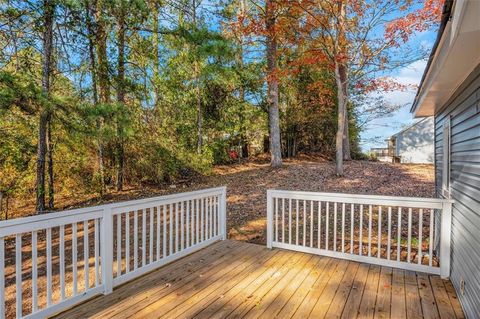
24	224
363	199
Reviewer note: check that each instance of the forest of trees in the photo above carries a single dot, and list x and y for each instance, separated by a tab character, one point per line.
99	94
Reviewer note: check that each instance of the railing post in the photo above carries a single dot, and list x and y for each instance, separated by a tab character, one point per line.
445	239
223	215
269	219
106	250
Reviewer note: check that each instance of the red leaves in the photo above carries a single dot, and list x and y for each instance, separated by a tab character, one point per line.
417	21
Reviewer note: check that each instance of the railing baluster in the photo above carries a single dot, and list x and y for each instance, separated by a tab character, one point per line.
97	256
187	222
74	258
389	233
158	233
135	239
327	224
430	240
34	271
343	227
352	225
49	266
399	234
217	217
335	226
119	245
150	240
276	219
311	223
283	220
360	249
319	213
297	215
420	239
18	274
304	223
369	230
202	219
182	228
85	255
2	278
176	227
289	221
197	218
127	242
379	238
62	262
210	216
144	237
164	231
170	230
409	242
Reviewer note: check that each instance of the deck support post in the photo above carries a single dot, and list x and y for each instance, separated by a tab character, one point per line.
269	219
223	220
445	239
106	250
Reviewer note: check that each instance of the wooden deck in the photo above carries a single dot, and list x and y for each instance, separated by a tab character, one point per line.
233	279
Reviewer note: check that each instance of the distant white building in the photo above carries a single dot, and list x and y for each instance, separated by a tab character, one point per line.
414	144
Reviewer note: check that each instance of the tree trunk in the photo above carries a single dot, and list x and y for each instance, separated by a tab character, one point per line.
93	72
51	191
272	83
340	123
346	135
199	112
156	51
340	74
120	154
101	46
49	10
102	77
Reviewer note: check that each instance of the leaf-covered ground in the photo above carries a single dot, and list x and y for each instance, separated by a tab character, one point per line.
248	182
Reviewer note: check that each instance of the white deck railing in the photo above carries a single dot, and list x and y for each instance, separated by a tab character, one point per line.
51	262
402	232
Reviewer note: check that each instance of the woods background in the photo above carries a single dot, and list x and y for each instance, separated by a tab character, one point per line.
99	94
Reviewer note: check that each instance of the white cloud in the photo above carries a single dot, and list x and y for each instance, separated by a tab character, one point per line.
383	128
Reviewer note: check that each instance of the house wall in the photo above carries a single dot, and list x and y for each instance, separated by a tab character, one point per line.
416	144
464	111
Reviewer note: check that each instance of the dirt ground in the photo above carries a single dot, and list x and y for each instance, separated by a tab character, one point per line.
248	182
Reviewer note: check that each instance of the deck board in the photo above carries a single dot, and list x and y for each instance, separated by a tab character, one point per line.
238	280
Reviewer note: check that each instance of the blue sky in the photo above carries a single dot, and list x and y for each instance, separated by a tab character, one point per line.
380	129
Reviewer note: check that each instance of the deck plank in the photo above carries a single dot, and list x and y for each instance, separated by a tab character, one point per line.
341	296
284	297
326	298
398	295
291	278
156	292
353	303
384	294
452	295
307	285
412	295
211	276
444	306
367	306
235	280
429	305
314	294
201	298
228	301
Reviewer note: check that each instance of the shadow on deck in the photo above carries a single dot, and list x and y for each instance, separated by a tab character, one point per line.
236	279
